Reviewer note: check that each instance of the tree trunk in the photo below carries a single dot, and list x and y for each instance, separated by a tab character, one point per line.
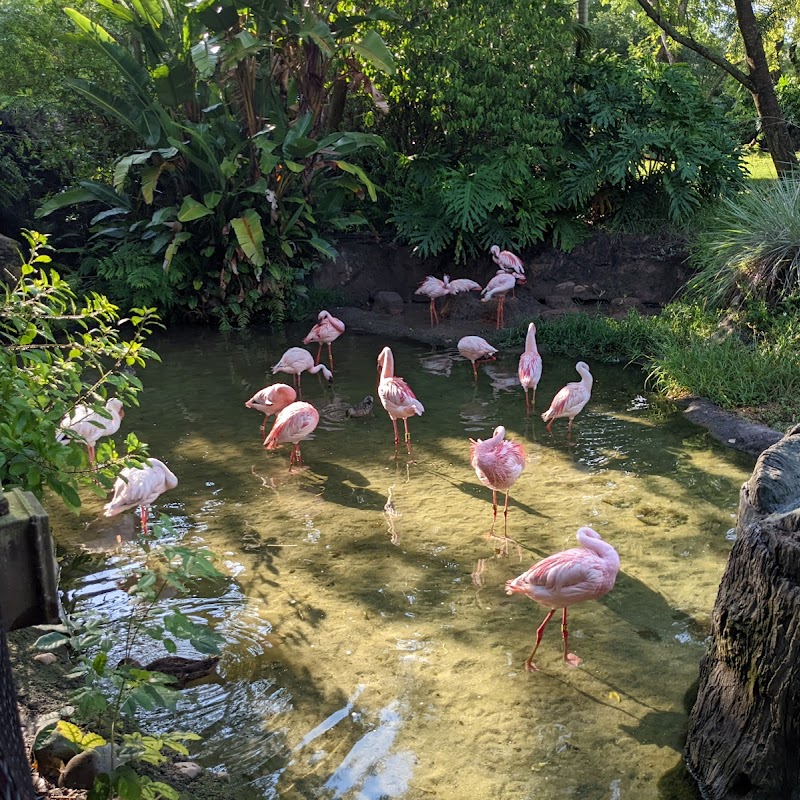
744	730
773	122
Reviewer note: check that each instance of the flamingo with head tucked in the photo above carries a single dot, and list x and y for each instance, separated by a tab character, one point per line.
434	288
570	400
396	397
296	422
564	579
88	426
295	361
497	463
530	367
326	331
140	486
508	262
271	400
500	285
476	349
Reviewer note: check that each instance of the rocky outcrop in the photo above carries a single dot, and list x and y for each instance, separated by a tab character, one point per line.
744	730
10	260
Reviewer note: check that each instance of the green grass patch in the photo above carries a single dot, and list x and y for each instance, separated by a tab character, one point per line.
759	167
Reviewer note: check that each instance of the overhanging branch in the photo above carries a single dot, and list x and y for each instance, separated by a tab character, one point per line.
700	49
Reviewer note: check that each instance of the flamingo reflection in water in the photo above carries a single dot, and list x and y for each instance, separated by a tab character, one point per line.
564	579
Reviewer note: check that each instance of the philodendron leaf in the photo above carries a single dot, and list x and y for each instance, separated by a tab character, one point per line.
251	236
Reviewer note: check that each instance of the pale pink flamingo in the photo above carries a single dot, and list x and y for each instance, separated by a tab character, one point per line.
87	426
326	331
497	463
140	486
508	262
572	398
296	360
564	579
296	422
530	367
434	288
396	397
271	400
500	285
476	349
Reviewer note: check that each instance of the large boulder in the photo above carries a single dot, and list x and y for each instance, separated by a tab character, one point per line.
10	260
744	730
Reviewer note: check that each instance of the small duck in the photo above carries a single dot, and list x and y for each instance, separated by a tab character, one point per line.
184	670
362	409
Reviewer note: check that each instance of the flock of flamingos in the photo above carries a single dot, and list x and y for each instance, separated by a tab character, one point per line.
557	582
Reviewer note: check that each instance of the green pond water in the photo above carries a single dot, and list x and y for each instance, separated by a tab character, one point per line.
374	654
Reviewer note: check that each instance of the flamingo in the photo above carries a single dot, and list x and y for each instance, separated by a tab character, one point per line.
296	422
296	360
326	331
475	349
564	579
572	398
271	400
500	285
497	463
396	397
508	262
140	486
530	367
434	288
87	426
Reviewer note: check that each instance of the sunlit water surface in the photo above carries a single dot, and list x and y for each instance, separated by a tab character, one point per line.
371	651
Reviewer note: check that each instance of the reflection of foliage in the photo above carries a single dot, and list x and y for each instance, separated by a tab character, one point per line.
113	692
59	351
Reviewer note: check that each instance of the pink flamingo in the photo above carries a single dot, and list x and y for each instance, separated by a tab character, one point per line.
296	422
564	579
396	397
326	331
433	287
271	400
500	285
87	426
572	398
530	367
508	262
497	463
476	349
140	486
296	360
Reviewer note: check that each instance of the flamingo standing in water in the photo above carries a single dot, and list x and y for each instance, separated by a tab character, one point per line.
530	368
572	398
396	397
296	422
326	331
140	486
271	400
497	463
500	285
476	349
87	426
296	360
434	288
564	579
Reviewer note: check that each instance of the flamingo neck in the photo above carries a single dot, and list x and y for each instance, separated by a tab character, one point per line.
601	548
387	370
530	342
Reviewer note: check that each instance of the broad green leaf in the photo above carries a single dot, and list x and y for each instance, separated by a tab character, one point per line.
69	198
173	248
250	236
373	49
191	209
211	199
205	56
353	169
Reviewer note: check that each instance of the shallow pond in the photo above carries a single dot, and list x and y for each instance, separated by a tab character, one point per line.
371	651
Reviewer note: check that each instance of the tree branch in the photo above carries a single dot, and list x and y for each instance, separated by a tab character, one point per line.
700	49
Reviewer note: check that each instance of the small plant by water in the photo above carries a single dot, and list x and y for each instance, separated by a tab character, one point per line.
115	688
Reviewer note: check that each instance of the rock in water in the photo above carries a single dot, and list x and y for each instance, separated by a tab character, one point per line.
744	730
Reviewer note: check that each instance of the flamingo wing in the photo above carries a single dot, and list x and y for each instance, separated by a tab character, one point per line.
135	487
530	369
433	287
463	285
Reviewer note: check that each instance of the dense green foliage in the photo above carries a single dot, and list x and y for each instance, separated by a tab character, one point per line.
58	351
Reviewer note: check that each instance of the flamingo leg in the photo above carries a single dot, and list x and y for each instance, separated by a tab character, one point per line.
569	426
299	388
90	451
291	458
396	437
319	354
549	424
330	355
529	665
494	508
408	435
571	659
143	517
505	518
299	457
527	404
475	371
